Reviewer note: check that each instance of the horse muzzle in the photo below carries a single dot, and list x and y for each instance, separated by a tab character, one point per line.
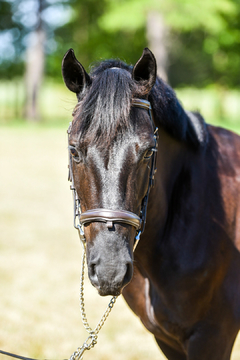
109	279
110	266
110	262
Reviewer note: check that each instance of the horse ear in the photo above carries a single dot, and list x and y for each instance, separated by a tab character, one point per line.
146	69
74	74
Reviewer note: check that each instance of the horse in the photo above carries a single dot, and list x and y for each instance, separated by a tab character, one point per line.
182	279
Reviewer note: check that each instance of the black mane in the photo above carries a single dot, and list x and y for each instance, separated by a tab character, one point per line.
185	126
105	106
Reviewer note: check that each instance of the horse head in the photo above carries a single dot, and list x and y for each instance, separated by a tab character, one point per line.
112	146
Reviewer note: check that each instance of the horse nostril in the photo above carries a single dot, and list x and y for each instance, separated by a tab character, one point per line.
92	273
128	274
92	269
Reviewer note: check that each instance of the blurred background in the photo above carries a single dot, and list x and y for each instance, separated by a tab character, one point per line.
196	43
197	47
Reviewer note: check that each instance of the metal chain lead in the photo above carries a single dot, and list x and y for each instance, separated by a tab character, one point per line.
91	340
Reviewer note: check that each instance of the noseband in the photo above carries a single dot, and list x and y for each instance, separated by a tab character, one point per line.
115	216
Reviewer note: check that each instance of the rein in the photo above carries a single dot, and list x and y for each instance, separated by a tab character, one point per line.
15	356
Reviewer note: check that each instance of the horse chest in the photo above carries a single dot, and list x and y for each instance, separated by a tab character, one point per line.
158	318
171	308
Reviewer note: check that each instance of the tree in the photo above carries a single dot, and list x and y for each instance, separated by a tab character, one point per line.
29	26
90	41
35	57
214	24
10	42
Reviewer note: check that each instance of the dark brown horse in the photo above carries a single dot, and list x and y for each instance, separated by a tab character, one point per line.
184	279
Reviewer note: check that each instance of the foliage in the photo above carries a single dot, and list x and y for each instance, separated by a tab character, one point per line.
19	19
181	15
204	36
90	41
10	43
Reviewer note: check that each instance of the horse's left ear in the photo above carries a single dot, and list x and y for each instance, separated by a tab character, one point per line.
74	74
146	69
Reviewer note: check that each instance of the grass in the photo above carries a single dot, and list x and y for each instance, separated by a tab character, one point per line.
40	258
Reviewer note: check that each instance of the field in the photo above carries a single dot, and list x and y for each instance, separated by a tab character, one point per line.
40	258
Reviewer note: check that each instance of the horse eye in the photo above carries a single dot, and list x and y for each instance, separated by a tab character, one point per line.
74	153
148	154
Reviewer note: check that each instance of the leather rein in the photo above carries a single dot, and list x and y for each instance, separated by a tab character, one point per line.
109	216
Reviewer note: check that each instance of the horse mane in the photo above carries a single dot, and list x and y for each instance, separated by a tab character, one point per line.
104	109
185	126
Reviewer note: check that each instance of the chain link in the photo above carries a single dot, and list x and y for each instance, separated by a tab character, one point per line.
91	340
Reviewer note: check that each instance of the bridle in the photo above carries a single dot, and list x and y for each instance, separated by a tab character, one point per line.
109	216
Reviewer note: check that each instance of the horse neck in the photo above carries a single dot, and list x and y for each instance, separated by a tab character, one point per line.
174	157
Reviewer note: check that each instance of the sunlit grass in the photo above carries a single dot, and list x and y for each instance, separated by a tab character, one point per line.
40	257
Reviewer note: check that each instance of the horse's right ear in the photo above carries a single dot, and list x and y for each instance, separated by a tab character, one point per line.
74	74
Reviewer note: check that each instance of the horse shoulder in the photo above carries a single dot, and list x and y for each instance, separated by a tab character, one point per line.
228	163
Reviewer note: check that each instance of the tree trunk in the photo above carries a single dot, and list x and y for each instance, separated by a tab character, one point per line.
34	74
35	58
157	34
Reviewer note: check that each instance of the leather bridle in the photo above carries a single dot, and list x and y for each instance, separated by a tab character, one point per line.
109	216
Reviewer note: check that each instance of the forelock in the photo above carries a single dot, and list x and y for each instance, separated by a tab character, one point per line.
104	111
